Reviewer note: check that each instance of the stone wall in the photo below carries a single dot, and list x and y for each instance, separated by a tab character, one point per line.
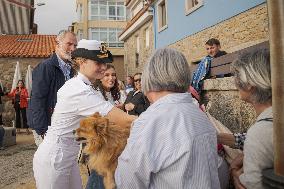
7	67
226	106
240	31
145	52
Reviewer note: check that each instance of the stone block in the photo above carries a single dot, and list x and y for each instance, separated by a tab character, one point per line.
9	136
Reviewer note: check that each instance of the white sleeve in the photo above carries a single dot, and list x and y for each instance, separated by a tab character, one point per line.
91	103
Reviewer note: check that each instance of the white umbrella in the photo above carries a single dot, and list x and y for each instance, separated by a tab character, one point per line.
17	76
29	79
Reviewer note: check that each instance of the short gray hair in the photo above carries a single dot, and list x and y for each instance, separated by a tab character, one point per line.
253	70
167	70
60	36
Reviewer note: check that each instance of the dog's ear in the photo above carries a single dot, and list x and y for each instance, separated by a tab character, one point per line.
101	125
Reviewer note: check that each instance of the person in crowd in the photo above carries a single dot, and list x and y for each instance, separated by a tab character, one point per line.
55	161
122	91
109	88
2	133
108	85
172	144
129	86
48	77
213	48
20	99
2	93
136	102
253	80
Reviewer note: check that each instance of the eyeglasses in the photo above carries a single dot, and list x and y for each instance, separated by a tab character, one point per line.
136	80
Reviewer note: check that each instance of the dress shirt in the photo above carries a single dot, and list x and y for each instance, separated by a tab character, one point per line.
171	145
65	67
76	99
258	151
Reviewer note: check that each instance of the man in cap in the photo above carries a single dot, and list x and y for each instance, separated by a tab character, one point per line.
54	162
48	77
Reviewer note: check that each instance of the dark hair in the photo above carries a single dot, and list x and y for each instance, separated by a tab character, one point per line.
22	82
212	41
114	91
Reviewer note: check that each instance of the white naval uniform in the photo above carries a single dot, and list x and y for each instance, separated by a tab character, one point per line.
54	162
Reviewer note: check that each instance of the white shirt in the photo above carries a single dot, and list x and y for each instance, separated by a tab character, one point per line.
171	145
258	151
76	99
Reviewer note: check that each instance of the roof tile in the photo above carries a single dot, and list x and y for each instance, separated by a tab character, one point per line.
27	45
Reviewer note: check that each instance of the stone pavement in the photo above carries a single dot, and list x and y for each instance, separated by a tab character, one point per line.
16	164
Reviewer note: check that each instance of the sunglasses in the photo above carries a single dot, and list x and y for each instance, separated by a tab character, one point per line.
136	80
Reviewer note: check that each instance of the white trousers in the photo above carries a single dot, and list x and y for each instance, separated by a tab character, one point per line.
55	164
37	138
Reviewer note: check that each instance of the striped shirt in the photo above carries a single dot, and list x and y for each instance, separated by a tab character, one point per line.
171	145
65	68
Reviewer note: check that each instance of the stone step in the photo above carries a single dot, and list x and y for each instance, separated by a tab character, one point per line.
9	136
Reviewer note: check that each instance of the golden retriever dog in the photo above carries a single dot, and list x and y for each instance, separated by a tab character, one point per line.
105	142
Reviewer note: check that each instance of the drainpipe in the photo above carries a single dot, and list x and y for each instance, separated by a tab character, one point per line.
154	25
275	179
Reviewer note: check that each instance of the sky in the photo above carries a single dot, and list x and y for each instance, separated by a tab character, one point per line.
55	15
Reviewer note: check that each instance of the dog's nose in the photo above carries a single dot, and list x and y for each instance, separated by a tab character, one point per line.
74	132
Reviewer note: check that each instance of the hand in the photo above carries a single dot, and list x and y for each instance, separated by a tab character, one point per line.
129	106
120	106
236	178
226	139
237	163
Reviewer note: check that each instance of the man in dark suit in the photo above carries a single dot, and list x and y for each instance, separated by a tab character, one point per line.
48	77
2	93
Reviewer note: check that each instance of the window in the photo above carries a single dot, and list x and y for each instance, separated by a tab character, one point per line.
137	8
106	10
108	35
162	15
80	13
79	34
137	51
192	5
147	37
137	44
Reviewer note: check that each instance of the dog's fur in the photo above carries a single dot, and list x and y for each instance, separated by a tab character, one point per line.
105	142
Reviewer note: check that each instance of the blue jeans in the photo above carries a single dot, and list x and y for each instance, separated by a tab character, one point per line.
95	181
2	132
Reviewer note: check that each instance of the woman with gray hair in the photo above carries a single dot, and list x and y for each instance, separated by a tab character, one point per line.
253	80
172	144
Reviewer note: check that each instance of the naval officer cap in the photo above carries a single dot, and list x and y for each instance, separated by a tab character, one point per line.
93	50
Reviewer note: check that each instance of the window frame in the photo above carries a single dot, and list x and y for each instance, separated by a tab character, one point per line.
111	44
80	34
147	37
160	15
107	16
194	8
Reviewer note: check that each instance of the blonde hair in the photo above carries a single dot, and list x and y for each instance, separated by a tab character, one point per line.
253	70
